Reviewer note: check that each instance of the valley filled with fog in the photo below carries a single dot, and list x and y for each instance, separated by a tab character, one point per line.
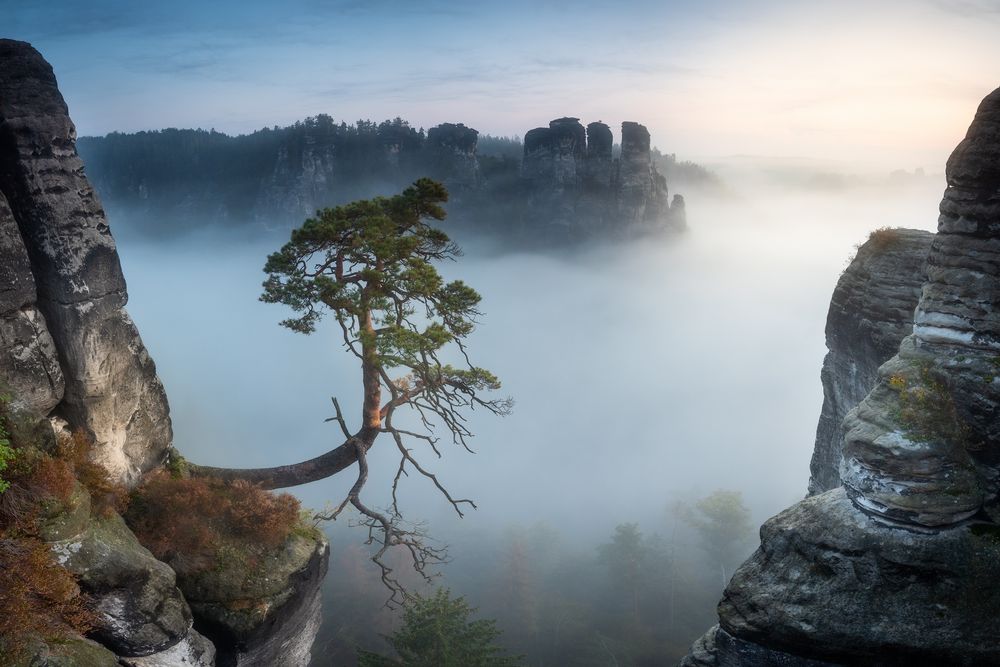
646	373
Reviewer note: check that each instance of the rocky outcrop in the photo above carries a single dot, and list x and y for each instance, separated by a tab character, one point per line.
642	192
452	149
870	313
298	185
142	617
69	297
265	613
921	448
899	566
574	182
141	611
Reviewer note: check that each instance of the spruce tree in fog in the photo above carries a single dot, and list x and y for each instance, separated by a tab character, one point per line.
723	523
437	632
370	266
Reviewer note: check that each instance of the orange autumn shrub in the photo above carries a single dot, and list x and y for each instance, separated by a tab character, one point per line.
186	522
38	598
37	483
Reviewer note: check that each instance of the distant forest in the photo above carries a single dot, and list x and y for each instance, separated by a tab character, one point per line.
175	179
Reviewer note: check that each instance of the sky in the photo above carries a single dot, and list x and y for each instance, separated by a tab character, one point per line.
875	84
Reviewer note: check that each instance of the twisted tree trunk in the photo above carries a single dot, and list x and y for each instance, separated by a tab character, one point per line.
295	474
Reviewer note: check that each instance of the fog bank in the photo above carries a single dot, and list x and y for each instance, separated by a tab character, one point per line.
643	372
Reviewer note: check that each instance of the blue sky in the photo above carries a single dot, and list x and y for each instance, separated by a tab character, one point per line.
884	83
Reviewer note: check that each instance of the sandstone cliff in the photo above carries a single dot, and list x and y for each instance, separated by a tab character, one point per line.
69	347
870	313
574	182
72	359
898	566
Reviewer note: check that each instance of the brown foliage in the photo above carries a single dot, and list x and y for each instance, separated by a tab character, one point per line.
37	481
883	238
188	521
38	597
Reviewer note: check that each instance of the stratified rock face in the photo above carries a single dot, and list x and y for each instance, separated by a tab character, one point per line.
831	582
921	448
870	313
299	183
574	182
108	383
900	566
554	155
599	168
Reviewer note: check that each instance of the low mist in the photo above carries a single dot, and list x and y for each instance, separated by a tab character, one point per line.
645	372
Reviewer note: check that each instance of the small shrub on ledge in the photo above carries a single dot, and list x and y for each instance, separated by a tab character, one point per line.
202	523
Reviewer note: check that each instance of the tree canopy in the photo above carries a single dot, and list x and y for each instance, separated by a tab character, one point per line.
437	632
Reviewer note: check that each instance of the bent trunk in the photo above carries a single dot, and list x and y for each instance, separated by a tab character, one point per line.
335	460
280	477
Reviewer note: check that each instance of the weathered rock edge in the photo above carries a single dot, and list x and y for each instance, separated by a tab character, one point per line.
871	311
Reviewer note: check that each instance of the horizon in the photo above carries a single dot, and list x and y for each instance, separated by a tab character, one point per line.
878	86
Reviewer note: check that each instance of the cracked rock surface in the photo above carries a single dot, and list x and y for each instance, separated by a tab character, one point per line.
68	346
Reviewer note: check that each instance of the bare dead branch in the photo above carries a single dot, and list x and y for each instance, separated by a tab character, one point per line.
339	418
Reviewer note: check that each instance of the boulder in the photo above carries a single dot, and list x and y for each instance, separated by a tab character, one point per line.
74	651
141	610
832	583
